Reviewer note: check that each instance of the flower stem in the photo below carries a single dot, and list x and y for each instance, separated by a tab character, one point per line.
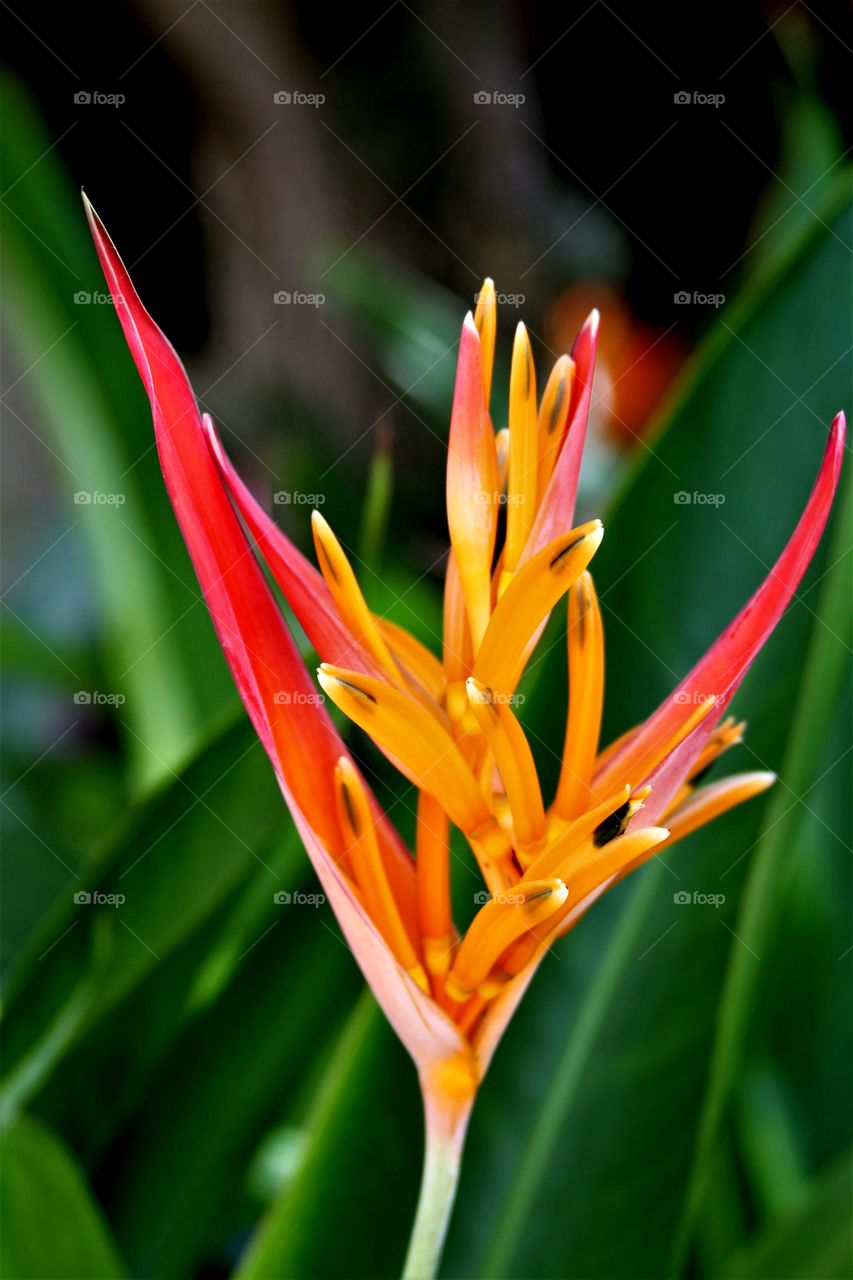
446	1120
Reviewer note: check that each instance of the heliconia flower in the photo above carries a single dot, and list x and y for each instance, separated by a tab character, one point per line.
448	723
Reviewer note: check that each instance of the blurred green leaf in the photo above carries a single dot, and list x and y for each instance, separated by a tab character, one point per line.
175	863
52	1226
361	1136
182	1160
814	1241
101	439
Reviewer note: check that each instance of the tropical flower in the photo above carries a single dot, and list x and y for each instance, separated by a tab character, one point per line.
449	724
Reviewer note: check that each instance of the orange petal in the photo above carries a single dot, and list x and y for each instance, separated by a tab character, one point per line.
528	600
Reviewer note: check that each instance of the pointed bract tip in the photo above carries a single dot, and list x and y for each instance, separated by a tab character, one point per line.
477	691
468	323
839	426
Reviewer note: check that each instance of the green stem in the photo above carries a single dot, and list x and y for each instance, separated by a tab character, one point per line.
446	1121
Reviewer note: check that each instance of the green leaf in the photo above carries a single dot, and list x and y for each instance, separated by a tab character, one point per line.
182	1160
812	1243
762	902
88	402
357	1161
52	1226
174	864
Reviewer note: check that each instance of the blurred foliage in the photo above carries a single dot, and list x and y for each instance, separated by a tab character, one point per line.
194	1085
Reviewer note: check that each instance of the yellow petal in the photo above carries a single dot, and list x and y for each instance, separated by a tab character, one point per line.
553	412
433	883
515	765
621	855
502	452
486	321
586	696
528	600
523	452
577	833
423	750
709	802
346	593
496	926
457	651
415	657
363	851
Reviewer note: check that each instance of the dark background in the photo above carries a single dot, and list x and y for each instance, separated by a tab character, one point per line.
219	197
